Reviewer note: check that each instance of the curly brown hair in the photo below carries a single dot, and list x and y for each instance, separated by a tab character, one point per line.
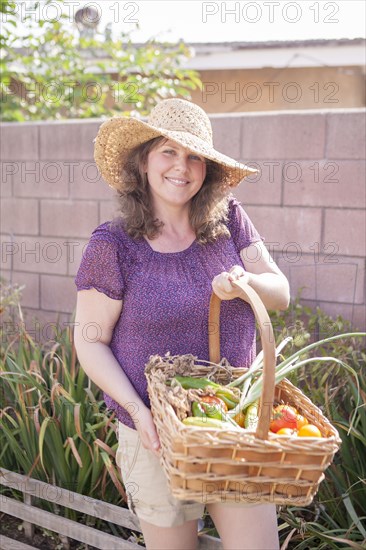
208	211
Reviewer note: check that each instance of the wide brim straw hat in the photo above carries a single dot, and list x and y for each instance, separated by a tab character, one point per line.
179	120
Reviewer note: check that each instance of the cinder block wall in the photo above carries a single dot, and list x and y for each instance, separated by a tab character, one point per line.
308	203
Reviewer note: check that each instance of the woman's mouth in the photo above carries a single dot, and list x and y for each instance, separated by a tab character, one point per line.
178	182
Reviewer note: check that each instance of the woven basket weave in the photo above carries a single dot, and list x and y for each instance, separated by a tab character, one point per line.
209	465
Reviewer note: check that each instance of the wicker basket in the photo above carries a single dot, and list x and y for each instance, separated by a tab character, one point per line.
209	465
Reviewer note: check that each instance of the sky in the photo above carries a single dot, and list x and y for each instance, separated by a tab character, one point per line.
197	21
217	21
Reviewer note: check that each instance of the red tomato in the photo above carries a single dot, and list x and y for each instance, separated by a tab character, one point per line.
283	416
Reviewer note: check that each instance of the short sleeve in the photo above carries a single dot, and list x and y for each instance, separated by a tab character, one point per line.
100	267
241	227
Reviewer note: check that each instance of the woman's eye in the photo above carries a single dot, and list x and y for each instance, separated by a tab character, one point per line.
172	152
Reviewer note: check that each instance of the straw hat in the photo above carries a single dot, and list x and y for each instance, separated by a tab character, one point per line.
176	119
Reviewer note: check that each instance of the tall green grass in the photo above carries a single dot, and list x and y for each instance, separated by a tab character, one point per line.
53	421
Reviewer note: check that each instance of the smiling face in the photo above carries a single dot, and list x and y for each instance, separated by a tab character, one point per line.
175	175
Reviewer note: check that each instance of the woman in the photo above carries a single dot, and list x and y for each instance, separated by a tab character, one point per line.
145	282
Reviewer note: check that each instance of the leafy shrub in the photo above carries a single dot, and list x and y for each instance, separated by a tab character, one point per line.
51	73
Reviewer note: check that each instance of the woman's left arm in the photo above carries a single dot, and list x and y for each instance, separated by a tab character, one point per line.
261	273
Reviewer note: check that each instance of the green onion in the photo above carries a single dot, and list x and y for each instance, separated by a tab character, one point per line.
252	385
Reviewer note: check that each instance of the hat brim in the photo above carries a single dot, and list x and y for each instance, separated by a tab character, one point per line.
119	135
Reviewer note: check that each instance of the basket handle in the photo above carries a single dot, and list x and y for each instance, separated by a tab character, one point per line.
248	294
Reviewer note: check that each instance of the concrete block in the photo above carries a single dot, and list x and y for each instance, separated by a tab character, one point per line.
336	279
108	211
42	179
340	183
291	231
19	216
6	181
76	250
40	255
58	293
8	250
19	141
263	188
227	134
87	183
346	135
346	229
286	136
68	219
68	140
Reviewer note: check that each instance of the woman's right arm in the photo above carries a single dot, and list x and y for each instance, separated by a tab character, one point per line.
95	309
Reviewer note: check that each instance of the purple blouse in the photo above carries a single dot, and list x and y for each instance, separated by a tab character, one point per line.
166	298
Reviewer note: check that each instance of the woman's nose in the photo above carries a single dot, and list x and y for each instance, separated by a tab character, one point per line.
181	162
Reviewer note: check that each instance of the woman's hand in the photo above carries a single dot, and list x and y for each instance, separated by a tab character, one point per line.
146	429
222	286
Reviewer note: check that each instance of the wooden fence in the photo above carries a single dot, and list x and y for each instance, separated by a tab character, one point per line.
33	489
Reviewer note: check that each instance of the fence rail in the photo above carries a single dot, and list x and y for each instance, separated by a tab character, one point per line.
32	515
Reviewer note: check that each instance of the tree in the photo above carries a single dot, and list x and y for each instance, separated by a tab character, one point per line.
56	74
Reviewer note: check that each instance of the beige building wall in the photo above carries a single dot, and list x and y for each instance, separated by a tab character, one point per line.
308	203
271	89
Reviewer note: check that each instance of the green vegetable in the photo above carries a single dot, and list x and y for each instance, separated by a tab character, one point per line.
228	397
217	413
198	410
204	422
189	382
212	410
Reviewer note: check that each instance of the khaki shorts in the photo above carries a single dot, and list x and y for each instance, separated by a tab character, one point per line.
147	489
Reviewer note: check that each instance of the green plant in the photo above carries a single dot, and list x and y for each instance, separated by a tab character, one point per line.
54	74
54	425
337	517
